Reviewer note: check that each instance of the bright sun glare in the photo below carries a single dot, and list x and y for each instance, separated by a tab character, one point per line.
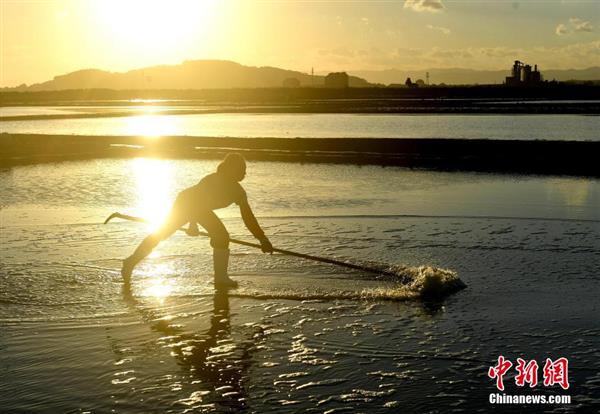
158	287
153	25
153	178
152	126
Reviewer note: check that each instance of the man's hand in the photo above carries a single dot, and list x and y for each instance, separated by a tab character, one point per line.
265	245
192	230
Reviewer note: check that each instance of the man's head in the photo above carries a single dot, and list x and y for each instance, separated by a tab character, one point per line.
233	166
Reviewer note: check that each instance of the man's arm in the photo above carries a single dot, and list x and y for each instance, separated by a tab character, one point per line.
252	224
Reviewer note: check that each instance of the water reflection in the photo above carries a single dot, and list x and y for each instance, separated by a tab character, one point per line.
158	288
574	192
151	125
218	363
154	179
547	127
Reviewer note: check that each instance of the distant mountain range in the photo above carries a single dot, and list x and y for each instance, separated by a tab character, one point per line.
198	74
222	74
459	76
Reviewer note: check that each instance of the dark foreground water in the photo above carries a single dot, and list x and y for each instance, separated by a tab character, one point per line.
296	336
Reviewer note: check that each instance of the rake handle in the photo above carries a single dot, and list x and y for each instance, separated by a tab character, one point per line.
282	251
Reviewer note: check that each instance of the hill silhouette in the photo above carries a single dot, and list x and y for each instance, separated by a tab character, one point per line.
224	74
197	74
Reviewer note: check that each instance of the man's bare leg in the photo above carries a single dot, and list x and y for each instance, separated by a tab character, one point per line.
143	250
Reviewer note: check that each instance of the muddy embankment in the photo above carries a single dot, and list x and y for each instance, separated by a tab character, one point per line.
578	158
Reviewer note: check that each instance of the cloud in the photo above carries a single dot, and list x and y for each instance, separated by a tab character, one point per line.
339	52
565	57
579	55
561	30
409	52
446	54
581	25
501	52
444	30
576	25
424	5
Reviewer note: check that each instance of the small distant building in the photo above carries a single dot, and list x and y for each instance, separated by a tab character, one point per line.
337	80
291	83
522	75
410	84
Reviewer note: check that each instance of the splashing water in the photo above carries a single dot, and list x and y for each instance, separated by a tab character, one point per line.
425	282
400	283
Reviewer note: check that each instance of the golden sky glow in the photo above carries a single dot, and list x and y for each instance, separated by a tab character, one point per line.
45	38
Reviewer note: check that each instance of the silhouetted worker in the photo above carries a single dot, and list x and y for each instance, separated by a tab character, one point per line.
195	205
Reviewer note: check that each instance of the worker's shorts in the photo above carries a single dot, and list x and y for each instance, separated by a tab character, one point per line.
185	210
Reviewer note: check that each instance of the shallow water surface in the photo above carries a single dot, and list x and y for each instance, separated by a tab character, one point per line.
523	127
296	336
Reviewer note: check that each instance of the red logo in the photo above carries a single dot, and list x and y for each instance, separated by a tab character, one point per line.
555	372
527	373
499	370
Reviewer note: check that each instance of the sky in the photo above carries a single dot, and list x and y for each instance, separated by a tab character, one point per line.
44	38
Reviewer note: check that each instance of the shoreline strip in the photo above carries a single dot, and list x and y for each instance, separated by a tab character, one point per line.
577	158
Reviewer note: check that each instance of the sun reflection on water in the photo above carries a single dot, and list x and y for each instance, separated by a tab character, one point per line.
147	110
158	288
151	125
154	182
159	285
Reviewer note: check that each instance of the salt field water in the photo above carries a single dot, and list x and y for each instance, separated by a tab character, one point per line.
296	336
527	127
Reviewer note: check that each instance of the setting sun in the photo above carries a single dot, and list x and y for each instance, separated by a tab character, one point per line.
156	26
